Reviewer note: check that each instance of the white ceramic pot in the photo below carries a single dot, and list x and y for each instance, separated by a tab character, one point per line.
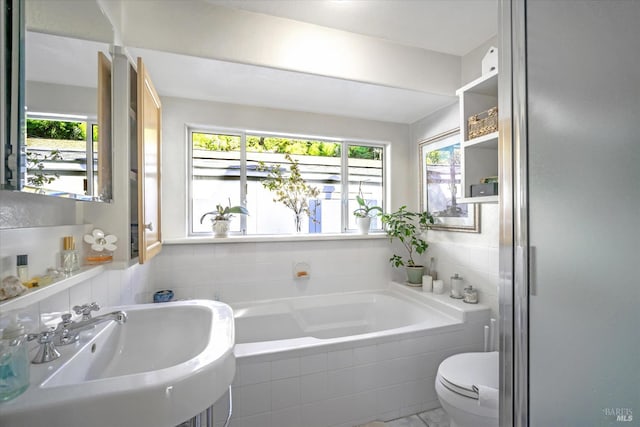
221	228
363	224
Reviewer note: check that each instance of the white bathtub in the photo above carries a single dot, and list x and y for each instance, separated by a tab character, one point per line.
278	325
346	359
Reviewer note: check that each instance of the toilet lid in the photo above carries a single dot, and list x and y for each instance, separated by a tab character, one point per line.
462	372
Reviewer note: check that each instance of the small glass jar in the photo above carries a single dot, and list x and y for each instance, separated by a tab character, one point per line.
14	362
470	295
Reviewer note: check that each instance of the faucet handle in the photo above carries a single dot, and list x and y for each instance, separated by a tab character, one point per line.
43	337
47	351
63	335
85	310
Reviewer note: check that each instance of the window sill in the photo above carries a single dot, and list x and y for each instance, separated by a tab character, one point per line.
195	240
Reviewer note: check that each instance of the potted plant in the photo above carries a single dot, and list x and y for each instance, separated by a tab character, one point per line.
365	212
291	190
222	218
408	227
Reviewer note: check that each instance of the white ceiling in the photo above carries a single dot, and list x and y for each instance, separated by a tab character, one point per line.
431	24
267	87
449	26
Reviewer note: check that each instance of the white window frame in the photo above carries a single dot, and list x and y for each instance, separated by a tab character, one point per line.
344	172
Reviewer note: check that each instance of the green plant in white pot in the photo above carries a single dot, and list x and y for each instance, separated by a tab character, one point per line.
408	227
365	212
222	218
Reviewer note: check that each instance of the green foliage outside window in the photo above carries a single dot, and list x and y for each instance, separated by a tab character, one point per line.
54	129
269	144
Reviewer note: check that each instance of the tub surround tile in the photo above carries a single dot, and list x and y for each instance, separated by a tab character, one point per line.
252	372
255	271
340	359
365	377
364	355
351	382
289	417
314	414
313	387
389	399
340	382
364	406
313	363
285	393
339	410
258	420
252	399
285	368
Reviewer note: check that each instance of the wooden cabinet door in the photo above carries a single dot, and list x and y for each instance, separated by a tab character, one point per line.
149	143
105	145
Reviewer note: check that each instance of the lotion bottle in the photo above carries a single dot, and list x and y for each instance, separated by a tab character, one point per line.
22	268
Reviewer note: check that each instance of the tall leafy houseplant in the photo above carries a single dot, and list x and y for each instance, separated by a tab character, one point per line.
291	190
408	227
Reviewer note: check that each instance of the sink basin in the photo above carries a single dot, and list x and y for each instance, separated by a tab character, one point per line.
167	363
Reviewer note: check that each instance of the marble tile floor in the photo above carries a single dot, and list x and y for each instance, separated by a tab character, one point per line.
434	418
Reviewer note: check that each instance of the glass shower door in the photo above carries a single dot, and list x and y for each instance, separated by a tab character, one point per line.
583	75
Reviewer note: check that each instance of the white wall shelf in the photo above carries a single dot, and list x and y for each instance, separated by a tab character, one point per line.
485	141
479	156
35	295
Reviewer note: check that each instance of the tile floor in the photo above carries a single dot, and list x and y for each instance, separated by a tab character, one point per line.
434	418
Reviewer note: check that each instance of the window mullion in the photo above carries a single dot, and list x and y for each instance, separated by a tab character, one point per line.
243	180
344	171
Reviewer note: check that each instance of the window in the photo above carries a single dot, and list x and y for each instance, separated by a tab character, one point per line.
57	150
232	168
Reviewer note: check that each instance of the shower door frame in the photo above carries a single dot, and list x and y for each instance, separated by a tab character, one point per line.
514	225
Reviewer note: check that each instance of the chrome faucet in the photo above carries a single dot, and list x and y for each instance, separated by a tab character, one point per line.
69	331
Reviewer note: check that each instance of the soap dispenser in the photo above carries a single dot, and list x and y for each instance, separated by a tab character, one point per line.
14	361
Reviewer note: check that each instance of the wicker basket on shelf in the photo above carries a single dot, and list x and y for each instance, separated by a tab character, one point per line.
483	123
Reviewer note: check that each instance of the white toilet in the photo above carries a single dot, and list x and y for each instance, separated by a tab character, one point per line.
467	387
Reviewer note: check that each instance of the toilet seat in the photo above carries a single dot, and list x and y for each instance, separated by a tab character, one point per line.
463	373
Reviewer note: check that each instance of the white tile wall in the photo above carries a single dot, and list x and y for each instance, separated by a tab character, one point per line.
346	385
477	265
235	272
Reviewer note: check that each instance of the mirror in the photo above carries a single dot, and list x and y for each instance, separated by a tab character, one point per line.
61	144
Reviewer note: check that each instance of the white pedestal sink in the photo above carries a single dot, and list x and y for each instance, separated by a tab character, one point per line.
167	363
